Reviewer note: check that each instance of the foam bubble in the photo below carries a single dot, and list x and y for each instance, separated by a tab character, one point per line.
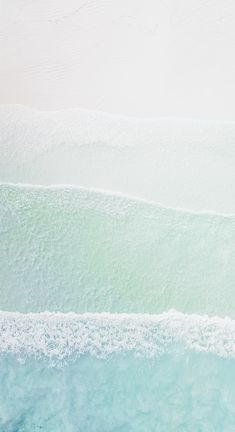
58	336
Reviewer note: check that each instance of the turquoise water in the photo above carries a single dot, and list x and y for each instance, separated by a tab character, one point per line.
111	359
106	373
178	392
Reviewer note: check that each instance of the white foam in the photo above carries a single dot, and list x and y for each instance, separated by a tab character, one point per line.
100	196
58	336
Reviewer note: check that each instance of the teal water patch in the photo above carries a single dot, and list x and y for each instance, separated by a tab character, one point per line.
72	249
109	373
178	392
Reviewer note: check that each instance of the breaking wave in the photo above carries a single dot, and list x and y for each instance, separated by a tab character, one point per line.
111	372
60	336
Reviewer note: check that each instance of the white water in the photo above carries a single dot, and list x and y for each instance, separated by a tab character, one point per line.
105	372
58	336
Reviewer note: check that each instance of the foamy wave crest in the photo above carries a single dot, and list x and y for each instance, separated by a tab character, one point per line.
59	336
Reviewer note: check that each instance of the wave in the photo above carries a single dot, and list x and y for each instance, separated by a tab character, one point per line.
73	249
109	372
58	336
181	163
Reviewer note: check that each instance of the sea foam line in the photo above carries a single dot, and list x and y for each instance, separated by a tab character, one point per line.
58	336
124	198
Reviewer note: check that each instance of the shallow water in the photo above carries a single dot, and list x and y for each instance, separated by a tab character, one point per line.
177	162
74	249
101	372
67	248
177	392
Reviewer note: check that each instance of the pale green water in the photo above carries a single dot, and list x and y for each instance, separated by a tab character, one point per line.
73	249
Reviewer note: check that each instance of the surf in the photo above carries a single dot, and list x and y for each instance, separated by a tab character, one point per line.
116	372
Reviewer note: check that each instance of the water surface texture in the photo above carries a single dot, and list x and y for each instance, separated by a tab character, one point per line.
101	372
117	216
72	249
179	163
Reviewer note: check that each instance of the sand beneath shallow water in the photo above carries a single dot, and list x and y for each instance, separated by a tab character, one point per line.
180	163
75	249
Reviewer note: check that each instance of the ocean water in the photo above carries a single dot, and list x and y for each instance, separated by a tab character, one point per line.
74	249
177	162
124	372
91	281
117	234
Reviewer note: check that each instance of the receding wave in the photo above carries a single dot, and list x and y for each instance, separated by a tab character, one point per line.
74	249
181	163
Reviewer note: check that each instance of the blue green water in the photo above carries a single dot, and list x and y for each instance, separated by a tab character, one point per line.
107	373
112	359
177	392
